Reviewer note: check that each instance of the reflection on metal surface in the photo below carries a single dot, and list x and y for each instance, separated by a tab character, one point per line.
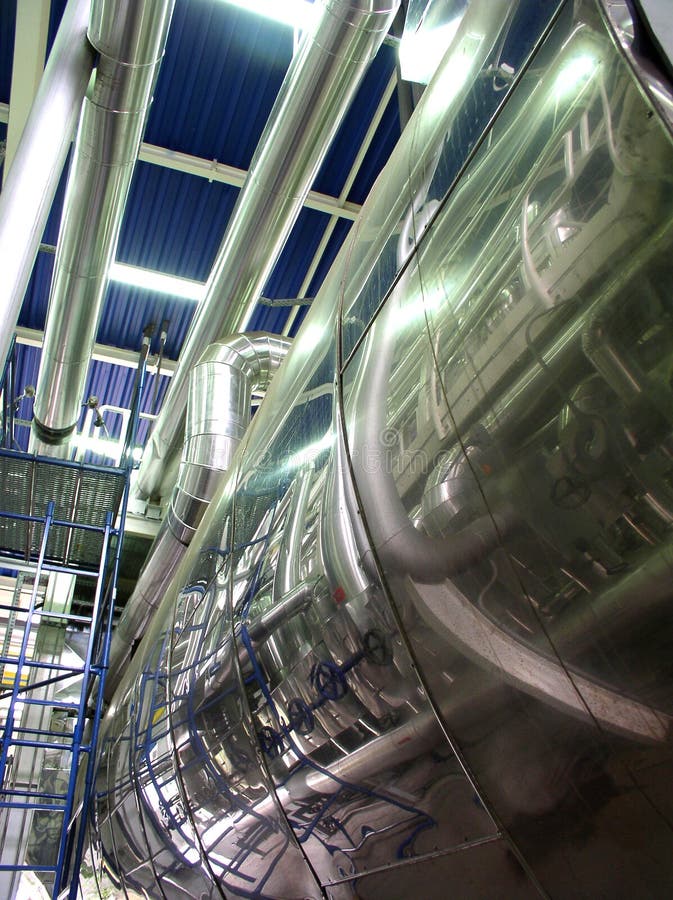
429	28
423	633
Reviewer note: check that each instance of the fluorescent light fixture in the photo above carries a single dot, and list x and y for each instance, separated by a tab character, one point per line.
297	13
148	280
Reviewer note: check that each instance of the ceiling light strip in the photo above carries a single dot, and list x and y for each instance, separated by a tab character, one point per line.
149	280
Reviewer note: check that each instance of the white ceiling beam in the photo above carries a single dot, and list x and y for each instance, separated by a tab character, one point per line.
217	171
30	47
31	337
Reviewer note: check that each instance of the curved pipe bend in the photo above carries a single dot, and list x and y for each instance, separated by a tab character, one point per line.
218	413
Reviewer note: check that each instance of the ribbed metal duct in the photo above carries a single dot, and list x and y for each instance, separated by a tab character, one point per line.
33	177
314	97
218	413
129	37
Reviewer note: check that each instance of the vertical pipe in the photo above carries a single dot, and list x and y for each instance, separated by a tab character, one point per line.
129	36
31	182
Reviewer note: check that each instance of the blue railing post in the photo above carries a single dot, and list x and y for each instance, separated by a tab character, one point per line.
21	659
65	848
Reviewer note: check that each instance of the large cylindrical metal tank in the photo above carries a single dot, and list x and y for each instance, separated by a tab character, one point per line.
420	644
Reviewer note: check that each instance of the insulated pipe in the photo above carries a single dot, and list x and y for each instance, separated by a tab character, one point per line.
129	37
408	741
400	547
33	177
297	599
318	88
218	413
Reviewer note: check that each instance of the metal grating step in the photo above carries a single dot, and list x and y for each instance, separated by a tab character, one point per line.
82	494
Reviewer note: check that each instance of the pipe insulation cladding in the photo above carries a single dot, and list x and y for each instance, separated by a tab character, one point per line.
218	413
30	184
420	642
129	37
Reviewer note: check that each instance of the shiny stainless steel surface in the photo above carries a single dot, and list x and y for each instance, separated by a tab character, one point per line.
31	182
218	413
318	88
129	37
421	640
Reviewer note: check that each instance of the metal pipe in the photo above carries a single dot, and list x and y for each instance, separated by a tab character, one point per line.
316	92
297	599
288	567
400	547
218	413
33	177
407	741
129	37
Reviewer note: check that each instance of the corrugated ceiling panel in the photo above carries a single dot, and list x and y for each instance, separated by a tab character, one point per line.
286	279
378	153
127	311
339	160
218	81
174	222
34	310
341	230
